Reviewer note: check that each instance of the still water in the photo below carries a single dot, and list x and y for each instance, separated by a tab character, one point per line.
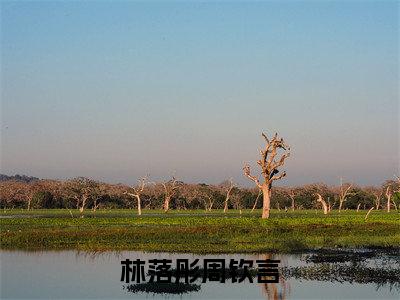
82	275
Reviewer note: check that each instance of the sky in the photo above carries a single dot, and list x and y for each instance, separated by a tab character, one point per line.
118	90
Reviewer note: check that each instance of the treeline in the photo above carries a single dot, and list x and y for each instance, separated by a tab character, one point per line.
83	193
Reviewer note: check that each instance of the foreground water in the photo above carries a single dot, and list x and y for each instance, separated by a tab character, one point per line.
81	275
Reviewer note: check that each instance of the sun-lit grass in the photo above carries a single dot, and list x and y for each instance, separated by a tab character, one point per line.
196	231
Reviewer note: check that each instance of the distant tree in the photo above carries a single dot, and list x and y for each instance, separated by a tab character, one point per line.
137	192
81	190
269	169
14	193
376	193
391	187
43	199
323	203
292	195
170	189
343	193
227	186
360	198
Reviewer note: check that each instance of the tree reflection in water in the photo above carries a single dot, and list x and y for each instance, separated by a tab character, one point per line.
275	291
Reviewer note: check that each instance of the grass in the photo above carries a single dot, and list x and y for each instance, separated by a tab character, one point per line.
197	231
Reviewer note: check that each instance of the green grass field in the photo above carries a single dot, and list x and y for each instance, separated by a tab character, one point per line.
197	231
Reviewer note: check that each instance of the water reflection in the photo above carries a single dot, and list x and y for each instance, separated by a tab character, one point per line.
275	291
71	274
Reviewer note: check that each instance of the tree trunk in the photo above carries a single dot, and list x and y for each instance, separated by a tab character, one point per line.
266	202
378	203
324	205
166	203
358	206
139	206
394	204
226	205
83	203
366	216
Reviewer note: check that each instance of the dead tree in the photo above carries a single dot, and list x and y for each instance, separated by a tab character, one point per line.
292	195
331	206
324	205
388	194
378	195
369	211
255	202
82	190
208	202
137	193
269	169
228	194
343	193
170	188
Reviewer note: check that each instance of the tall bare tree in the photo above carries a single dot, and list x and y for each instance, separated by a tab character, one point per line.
344	191
269	169
292	195
388	194
138	191
170	188
392	190
228	188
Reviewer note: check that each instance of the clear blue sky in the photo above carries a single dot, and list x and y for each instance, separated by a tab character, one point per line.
117	90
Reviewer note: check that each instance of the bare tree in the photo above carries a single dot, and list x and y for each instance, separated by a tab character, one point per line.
228	190
170	188
81	189
138	191
292	195
388	194
324	205
377	194
255	202
331	206
208	202
237	202
344	191
269	169
369	211
392	190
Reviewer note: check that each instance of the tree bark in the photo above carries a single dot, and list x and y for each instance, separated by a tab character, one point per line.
266	202
388	196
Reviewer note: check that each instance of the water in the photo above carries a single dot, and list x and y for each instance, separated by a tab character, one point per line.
82	275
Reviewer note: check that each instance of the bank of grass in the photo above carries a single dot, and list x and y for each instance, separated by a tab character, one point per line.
197	231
